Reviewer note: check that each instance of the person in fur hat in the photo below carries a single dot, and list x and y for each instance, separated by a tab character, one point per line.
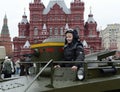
73	50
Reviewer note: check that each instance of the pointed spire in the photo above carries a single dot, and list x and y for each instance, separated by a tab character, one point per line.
5	19
37	1
24	11
24	18
90	10
44	30
27	44
90	17
5	30
5	16
44	27
66	26
85	44
76	1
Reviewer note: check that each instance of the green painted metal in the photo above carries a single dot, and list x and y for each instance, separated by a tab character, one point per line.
91	85
51	48
64	81
98	77
56	54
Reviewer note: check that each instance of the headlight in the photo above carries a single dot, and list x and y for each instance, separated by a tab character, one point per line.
80	74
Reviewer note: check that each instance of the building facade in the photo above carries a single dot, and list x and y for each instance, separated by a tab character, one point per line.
111	37
52	21
5	39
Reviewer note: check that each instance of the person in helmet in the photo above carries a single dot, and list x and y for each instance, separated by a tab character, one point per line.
73	50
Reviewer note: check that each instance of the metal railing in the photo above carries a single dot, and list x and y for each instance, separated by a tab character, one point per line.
38	75
85	67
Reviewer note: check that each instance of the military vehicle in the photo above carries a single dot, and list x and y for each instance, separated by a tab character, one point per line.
97	74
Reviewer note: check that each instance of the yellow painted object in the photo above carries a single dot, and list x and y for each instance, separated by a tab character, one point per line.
47	44
48	50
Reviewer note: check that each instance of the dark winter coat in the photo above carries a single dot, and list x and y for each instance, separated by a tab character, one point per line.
7	67
73	52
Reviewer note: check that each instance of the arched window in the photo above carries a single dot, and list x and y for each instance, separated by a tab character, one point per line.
23	33
56	31
35	31
90	33
50	31
61	31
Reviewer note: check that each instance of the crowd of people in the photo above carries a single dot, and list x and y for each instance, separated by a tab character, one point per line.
9	67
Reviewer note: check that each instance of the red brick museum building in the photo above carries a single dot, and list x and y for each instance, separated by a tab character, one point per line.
52	21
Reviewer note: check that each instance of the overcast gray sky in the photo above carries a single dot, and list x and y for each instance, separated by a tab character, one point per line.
104	11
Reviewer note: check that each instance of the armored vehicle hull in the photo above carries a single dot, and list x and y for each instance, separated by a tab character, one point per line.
96	74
